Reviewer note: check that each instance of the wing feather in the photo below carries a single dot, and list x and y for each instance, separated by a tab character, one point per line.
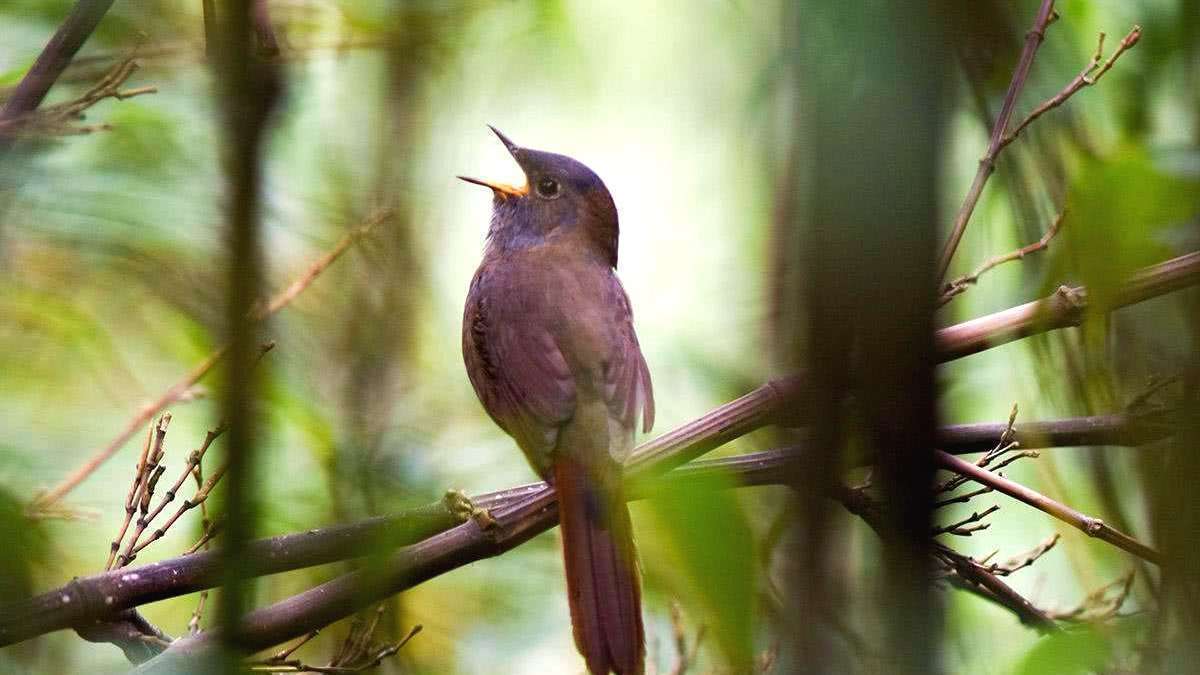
521	375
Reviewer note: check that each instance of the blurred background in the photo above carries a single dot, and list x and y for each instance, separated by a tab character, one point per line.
113	264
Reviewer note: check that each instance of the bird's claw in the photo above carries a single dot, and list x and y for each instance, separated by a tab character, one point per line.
464	509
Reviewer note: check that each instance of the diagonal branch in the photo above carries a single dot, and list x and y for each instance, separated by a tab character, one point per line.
961	284
1033	40
966	572
973	576
55	57
180	388
1090	74
1063	308
1093	527
57	119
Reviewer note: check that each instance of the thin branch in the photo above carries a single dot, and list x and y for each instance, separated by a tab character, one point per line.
1033	40
56	120
285	298
1090	74
685	656
160	54
283	654
1026	559
367	662
1098	605
1063	308
193	627
961	284
1003	446
131	499
965	527
150	471
963	498
966	573
147	518
1024	454
976	576
1093	527
55	57
180	388
188	504
211	530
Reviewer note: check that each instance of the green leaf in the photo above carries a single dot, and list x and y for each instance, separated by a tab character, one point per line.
705	532
1119	212
26	548
1080	650
143	138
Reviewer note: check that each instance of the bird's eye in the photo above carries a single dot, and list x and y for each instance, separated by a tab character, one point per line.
547	188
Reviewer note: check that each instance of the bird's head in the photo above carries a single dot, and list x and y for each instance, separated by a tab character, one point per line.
561	197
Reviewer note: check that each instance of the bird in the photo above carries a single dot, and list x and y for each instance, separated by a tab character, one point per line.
550	350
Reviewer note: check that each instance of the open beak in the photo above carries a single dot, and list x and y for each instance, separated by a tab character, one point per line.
502	190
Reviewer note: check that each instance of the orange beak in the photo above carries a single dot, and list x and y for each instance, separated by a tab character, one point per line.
502	190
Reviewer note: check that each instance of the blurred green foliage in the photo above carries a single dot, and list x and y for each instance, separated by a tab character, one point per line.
712	565
111	272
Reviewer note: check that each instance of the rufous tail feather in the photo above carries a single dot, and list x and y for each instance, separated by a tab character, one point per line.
602	576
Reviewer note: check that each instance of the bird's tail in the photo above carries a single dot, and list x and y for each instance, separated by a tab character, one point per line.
603	583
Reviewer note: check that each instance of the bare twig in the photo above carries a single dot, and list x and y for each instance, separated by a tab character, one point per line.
285	297
1020	562
1093	527
961	284
55	57
1030	454
976	575
132	499
283	654
356	654
963	498
1003	446
1033	40
964	572
1065	307
964	527
211	529
193	462
161	54
1090	74
180	388
1102	603
685	656
193	626
188	504
150	471
57	120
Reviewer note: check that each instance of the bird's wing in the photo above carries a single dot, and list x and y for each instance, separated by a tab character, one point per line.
517	370
626	377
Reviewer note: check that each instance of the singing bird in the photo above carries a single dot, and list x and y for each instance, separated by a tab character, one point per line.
550	349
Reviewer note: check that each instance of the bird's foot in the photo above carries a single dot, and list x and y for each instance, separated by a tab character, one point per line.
464	509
